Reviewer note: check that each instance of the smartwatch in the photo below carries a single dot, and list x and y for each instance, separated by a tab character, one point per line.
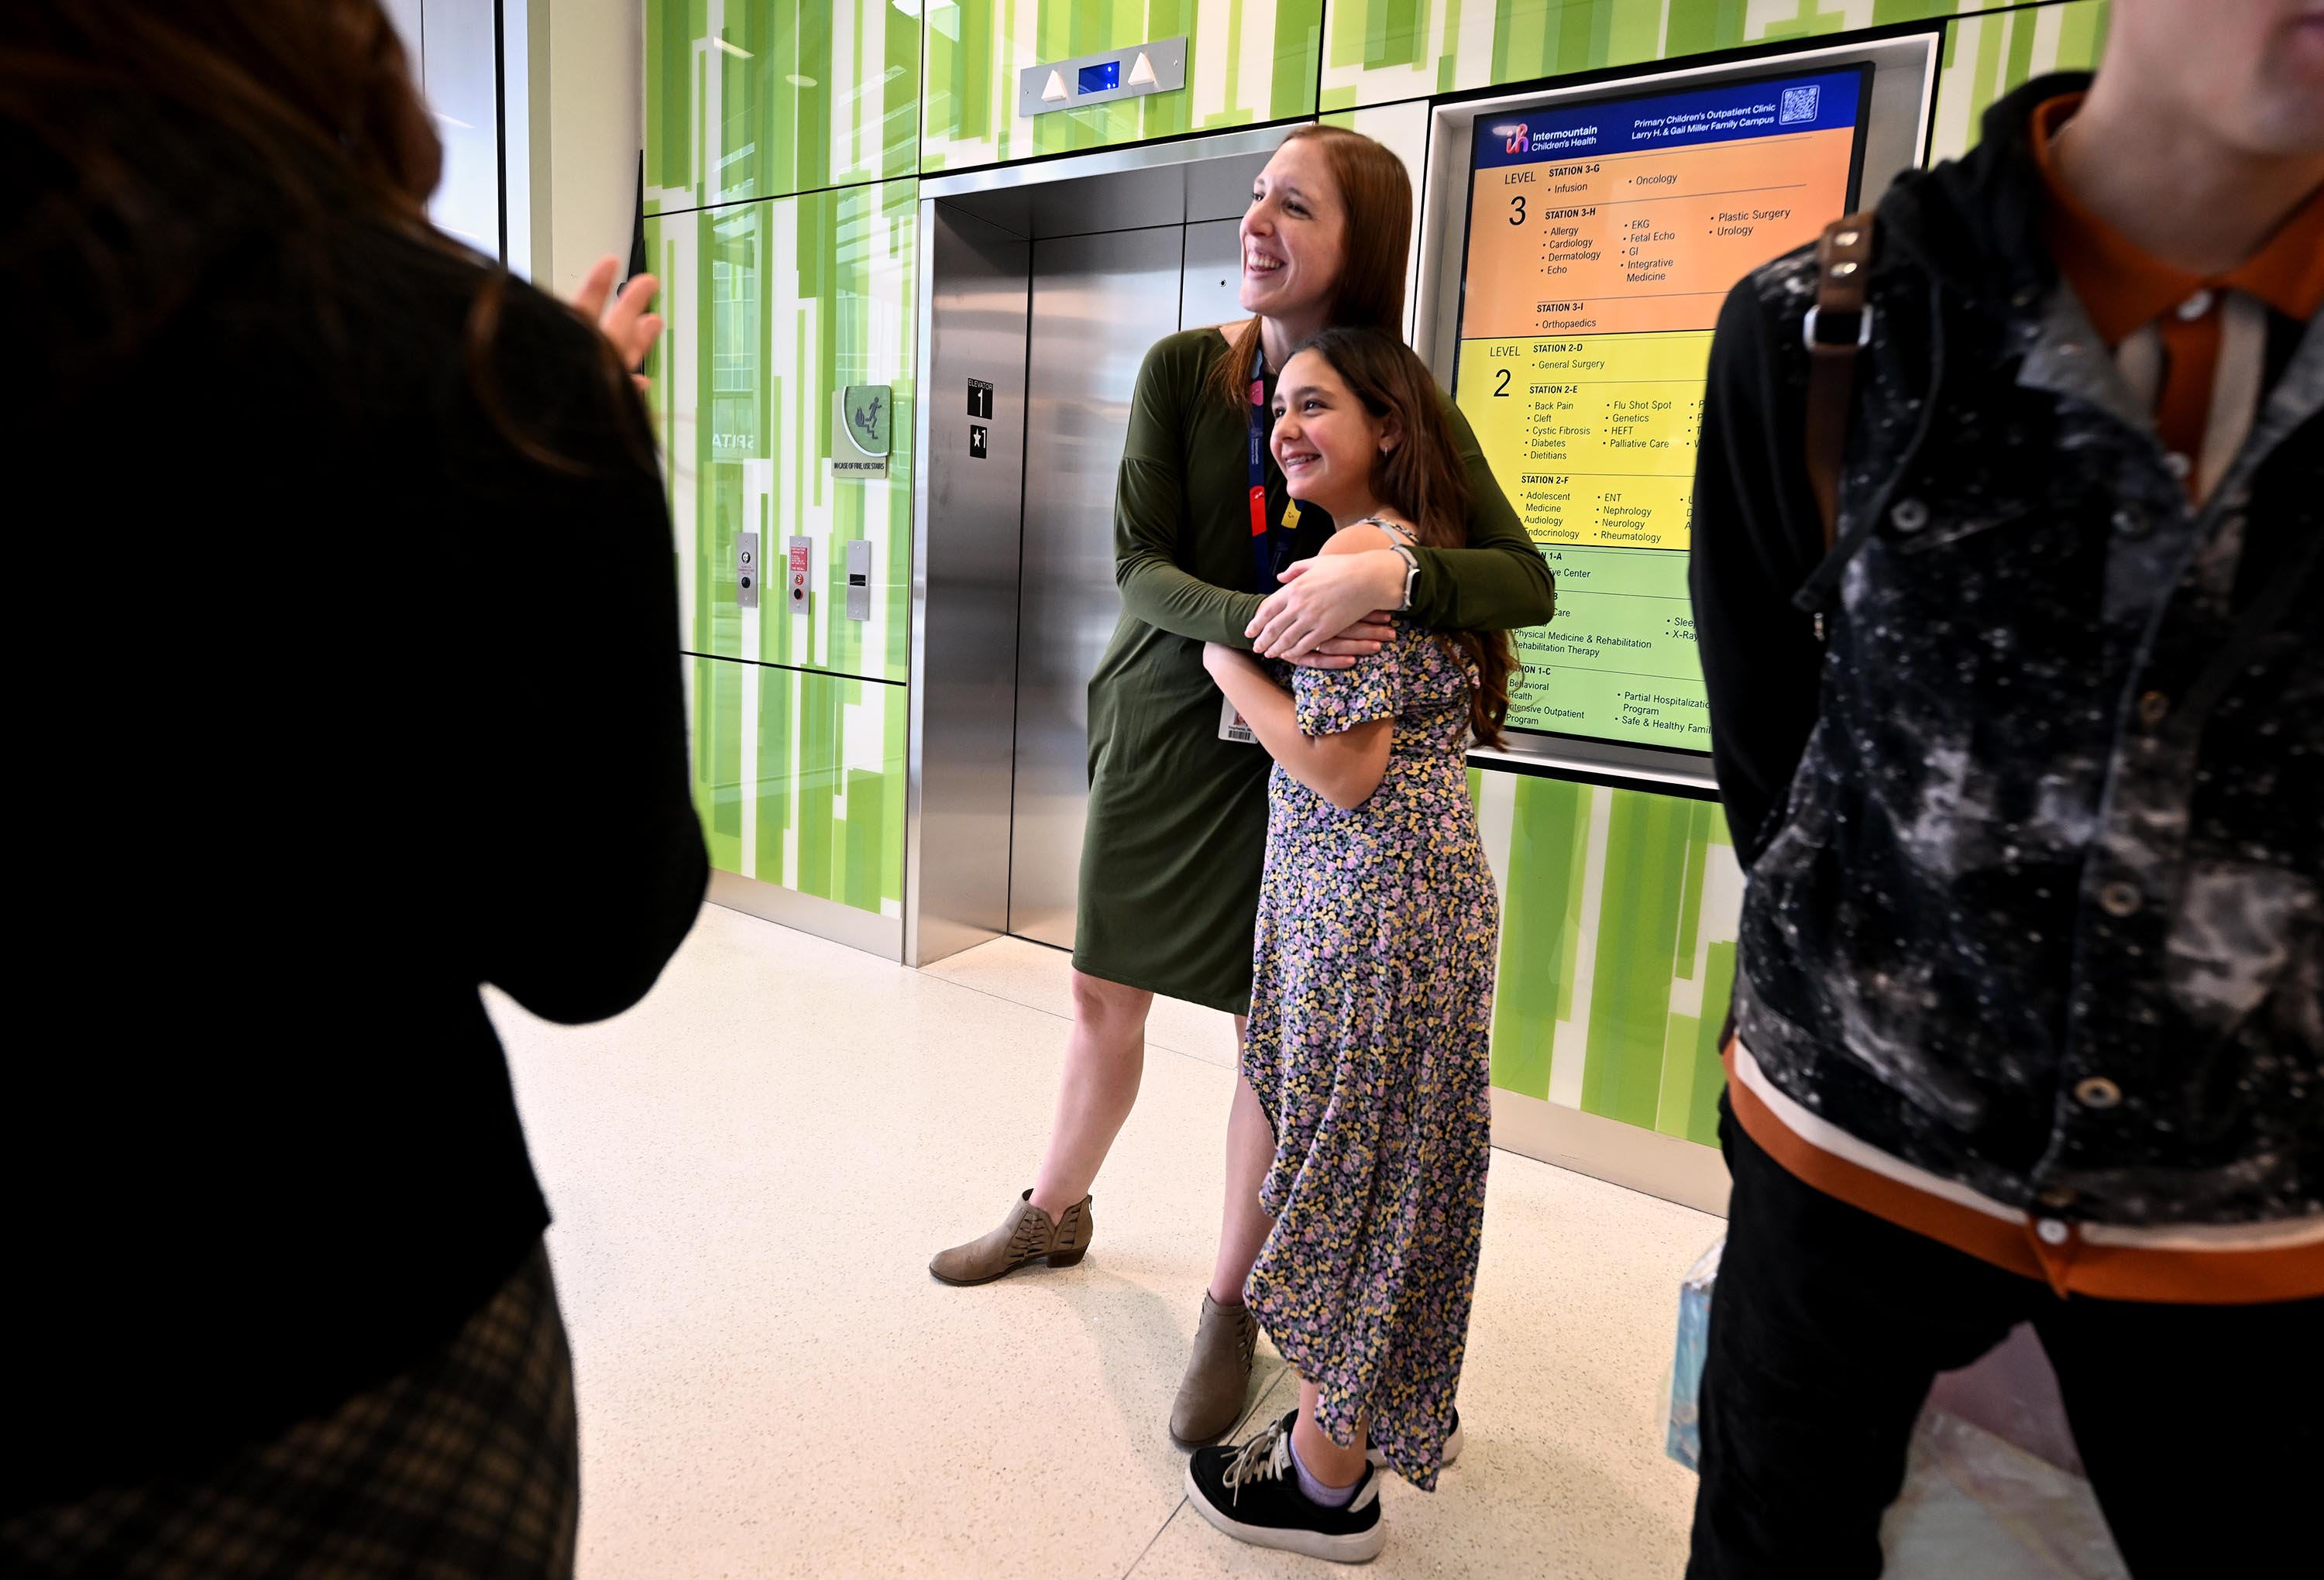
1411	574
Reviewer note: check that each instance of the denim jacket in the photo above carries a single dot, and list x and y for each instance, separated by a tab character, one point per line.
2034	836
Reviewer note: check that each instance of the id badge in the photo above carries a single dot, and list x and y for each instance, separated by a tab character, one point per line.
1232	726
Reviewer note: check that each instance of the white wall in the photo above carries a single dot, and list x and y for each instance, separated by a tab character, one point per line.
449	44
575	135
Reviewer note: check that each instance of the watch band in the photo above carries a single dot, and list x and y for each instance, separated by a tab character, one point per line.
1400	540
1411	574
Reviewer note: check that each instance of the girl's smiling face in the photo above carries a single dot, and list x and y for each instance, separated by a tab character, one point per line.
1326	441
1293	234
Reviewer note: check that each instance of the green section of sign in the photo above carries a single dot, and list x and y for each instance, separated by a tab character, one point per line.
1619	663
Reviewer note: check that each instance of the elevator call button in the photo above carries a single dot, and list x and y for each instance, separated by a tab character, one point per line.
746	570
799	550
859	578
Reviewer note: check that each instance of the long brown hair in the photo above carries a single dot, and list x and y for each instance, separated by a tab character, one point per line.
158	136
1376	195
1423	479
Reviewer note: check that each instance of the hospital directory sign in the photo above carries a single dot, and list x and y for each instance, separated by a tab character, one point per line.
1602	239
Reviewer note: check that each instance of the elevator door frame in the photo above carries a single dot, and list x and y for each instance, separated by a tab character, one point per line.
958	810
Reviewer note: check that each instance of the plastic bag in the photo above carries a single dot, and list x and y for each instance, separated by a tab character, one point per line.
1973	1505
1993	1484
1683	1431
2012	1392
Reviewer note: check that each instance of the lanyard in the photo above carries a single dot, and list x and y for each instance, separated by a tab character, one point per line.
1268	545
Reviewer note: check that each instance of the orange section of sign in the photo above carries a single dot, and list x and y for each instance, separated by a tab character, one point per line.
1649	241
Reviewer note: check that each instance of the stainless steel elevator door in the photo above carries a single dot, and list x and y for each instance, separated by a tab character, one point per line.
1098	302
1212	287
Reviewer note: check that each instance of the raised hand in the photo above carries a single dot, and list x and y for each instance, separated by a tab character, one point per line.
623	320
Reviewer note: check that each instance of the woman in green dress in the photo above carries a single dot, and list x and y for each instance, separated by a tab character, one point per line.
1208	547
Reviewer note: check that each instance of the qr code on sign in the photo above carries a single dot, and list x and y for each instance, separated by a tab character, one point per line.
1799	104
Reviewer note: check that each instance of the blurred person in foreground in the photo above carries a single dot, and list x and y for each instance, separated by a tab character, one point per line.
357	688
2030	1002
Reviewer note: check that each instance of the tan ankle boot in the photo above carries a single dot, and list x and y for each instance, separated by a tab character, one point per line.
1217	1384
1027	1235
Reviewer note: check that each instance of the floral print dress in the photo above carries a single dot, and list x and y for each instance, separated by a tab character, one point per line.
1371	1004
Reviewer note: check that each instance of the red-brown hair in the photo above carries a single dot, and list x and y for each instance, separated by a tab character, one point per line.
1423	480
1376	195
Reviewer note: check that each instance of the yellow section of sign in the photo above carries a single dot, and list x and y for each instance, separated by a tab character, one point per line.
1592	436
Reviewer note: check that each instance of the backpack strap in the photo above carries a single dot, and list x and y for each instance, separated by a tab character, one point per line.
1838	327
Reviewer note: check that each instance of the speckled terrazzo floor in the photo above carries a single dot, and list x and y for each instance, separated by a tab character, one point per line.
750	1170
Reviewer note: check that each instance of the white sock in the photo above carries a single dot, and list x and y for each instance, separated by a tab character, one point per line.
1329	1497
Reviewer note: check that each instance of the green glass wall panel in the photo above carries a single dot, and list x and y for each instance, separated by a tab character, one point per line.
1542	865
1618	948
1986	58
1402	129
1377	51
772	307
1248	61
763	98
798	779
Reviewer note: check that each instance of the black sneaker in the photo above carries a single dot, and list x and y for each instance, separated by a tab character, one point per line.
1252	1493
1453	1442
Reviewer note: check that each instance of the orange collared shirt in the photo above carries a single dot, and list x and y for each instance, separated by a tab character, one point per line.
2124	290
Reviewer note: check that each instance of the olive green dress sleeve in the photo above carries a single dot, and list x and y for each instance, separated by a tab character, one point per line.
1148	498
1500	582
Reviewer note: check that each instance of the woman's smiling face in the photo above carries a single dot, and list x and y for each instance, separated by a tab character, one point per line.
1327	443
1293	234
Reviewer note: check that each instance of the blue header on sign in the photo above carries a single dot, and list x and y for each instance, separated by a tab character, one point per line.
1823	102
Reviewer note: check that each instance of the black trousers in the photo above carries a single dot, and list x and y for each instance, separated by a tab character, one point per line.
2200	1425
464	1466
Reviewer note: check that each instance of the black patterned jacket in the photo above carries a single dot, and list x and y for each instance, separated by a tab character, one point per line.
2034	839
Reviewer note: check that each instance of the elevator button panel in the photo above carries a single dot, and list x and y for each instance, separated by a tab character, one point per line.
801	549
1096	79
859	578
747	573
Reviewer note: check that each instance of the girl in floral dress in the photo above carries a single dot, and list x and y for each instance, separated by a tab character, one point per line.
1378	930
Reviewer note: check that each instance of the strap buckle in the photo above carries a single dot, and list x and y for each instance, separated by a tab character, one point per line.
1815	343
